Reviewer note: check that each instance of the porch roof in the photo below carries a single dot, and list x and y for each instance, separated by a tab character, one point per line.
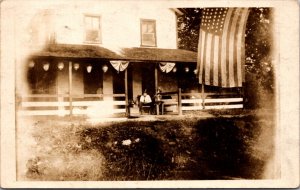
130	54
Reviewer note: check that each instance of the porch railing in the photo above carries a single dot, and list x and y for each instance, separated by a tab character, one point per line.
198	101
83	104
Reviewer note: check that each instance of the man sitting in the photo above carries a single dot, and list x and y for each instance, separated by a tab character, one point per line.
145	101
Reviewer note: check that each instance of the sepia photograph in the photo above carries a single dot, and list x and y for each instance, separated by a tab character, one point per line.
145	91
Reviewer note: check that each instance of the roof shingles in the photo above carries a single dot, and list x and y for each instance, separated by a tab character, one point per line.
131	54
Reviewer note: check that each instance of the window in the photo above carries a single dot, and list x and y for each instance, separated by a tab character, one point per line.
92	29
148	33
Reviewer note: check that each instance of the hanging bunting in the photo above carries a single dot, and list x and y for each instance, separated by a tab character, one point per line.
119	65
166	66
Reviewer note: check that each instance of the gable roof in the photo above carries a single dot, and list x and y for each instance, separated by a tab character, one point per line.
130	54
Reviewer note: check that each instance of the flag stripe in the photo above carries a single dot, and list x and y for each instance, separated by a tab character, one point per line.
235	58
204	56
228	49
223	51
212	65
243	46
199	56
219	62
233	75
240	49
207	59
216	60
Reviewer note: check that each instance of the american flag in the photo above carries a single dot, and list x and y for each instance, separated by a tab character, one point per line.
221	47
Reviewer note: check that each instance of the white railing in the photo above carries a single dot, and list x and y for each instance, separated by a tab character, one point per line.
85	104
194	101
44	104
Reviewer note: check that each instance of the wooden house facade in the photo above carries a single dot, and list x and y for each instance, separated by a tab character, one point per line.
97	58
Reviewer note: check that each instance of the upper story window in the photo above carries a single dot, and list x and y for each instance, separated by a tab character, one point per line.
148	32
92	29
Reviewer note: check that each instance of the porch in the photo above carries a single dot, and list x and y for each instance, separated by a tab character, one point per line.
80	80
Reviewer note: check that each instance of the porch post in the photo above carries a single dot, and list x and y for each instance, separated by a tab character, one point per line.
179	102
70	88
126	93
156	78
203	95
243	95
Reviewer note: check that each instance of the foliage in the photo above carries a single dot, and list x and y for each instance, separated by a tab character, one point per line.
259	69
188	29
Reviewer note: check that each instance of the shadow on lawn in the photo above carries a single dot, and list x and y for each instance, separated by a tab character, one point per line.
226	146
130	153
216	148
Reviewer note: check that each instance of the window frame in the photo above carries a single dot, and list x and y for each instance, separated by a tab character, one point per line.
99	29
141	32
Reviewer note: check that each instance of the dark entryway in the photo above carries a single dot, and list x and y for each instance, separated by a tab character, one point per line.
148	78
118	82
140	77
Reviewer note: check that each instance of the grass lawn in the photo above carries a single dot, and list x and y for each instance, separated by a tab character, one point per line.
189	147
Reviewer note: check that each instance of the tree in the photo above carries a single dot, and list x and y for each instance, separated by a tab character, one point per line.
259	68
259	61
188	28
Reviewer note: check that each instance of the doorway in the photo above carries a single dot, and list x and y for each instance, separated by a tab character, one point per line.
140	77
148	79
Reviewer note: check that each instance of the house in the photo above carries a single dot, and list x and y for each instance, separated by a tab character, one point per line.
100	56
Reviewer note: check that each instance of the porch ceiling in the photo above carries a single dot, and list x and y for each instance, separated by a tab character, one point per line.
130	54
